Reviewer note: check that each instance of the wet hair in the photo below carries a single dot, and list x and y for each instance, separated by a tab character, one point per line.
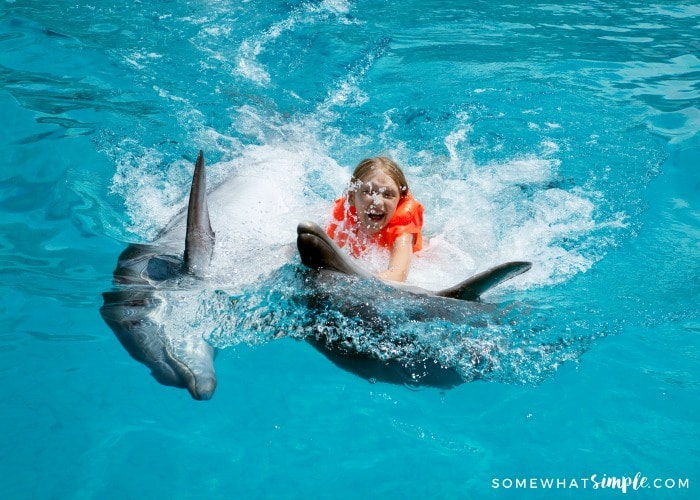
386	165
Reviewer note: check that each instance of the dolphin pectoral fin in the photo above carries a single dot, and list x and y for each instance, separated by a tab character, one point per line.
318	251
199	242
472	288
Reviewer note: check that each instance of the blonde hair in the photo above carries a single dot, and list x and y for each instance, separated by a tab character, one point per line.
386	165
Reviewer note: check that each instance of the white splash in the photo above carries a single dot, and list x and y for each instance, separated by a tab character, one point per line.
493	213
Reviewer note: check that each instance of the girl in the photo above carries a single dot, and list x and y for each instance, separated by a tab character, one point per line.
379	210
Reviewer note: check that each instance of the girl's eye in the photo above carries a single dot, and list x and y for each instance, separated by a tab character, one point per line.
387	195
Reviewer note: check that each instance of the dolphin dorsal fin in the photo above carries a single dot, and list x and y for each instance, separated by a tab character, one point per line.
199	242
472	288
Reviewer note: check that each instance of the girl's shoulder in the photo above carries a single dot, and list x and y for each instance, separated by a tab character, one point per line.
408	211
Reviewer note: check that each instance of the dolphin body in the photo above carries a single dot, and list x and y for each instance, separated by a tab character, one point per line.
150	280
345	287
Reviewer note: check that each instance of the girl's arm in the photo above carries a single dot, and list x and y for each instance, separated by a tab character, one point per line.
400	259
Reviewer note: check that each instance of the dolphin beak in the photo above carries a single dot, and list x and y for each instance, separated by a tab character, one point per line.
202	389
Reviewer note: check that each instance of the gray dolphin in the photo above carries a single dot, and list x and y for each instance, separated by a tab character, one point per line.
150	280
459	304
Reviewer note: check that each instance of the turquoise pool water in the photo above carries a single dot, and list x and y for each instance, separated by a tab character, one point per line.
565	133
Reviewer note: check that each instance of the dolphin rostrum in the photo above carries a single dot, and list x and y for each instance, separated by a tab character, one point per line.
150	280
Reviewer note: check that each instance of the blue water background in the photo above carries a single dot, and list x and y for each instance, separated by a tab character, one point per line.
100	99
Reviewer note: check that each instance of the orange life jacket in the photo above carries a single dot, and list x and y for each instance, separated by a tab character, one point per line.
344	229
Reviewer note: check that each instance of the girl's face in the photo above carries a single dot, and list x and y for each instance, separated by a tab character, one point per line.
375	198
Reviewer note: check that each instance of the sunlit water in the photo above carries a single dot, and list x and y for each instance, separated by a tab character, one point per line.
561	133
